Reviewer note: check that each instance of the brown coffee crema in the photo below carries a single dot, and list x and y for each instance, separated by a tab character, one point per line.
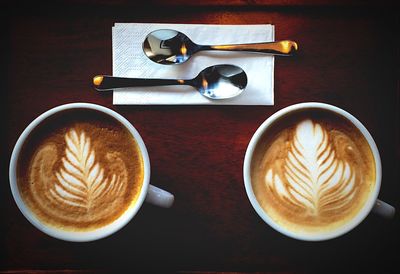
80	170
312	171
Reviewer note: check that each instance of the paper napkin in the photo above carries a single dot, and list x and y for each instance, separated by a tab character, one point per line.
130	61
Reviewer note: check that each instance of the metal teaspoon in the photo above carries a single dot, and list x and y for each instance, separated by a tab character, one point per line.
215	82
173	47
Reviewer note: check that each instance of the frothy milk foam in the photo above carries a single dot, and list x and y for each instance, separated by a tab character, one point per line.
313	171
80	170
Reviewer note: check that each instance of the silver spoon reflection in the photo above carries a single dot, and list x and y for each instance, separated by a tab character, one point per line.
173	47
215	82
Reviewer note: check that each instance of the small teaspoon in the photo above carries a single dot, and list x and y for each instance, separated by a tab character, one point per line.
168	47
215	82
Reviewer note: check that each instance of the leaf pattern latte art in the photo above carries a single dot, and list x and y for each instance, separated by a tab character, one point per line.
81	182
312	178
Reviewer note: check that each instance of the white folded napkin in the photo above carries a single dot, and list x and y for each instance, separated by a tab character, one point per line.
130	61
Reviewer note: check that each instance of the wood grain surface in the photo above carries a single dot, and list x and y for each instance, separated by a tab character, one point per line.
349	57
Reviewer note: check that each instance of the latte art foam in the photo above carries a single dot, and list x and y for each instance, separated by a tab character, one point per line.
80	173
81	183
313	173
312	176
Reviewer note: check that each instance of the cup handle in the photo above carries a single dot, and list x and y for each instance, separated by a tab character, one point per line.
159	197
383	209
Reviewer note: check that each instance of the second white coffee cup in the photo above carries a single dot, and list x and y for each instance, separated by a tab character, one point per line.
372	203
147	193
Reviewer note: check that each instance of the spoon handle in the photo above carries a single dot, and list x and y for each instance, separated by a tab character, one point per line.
105	82
285	47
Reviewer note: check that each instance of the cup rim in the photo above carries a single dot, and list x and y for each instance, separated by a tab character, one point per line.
79	236
302	235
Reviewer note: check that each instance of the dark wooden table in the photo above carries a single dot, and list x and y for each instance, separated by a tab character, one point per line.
349	57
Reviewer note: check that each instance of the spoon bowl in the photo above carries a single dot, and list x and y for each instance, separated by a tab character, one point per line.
221	81
166	46
169	47
215	82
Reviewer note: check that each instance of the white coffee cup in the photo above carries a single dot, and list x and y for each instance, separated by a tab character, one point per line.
372	203
148	192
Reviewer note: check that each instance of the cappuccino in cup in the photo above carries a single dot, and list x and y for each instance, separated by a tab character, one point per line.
312	171
80	172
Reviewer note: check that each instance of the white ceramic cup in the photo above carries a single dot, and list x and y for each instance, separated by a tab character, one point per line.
148	192
372	203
